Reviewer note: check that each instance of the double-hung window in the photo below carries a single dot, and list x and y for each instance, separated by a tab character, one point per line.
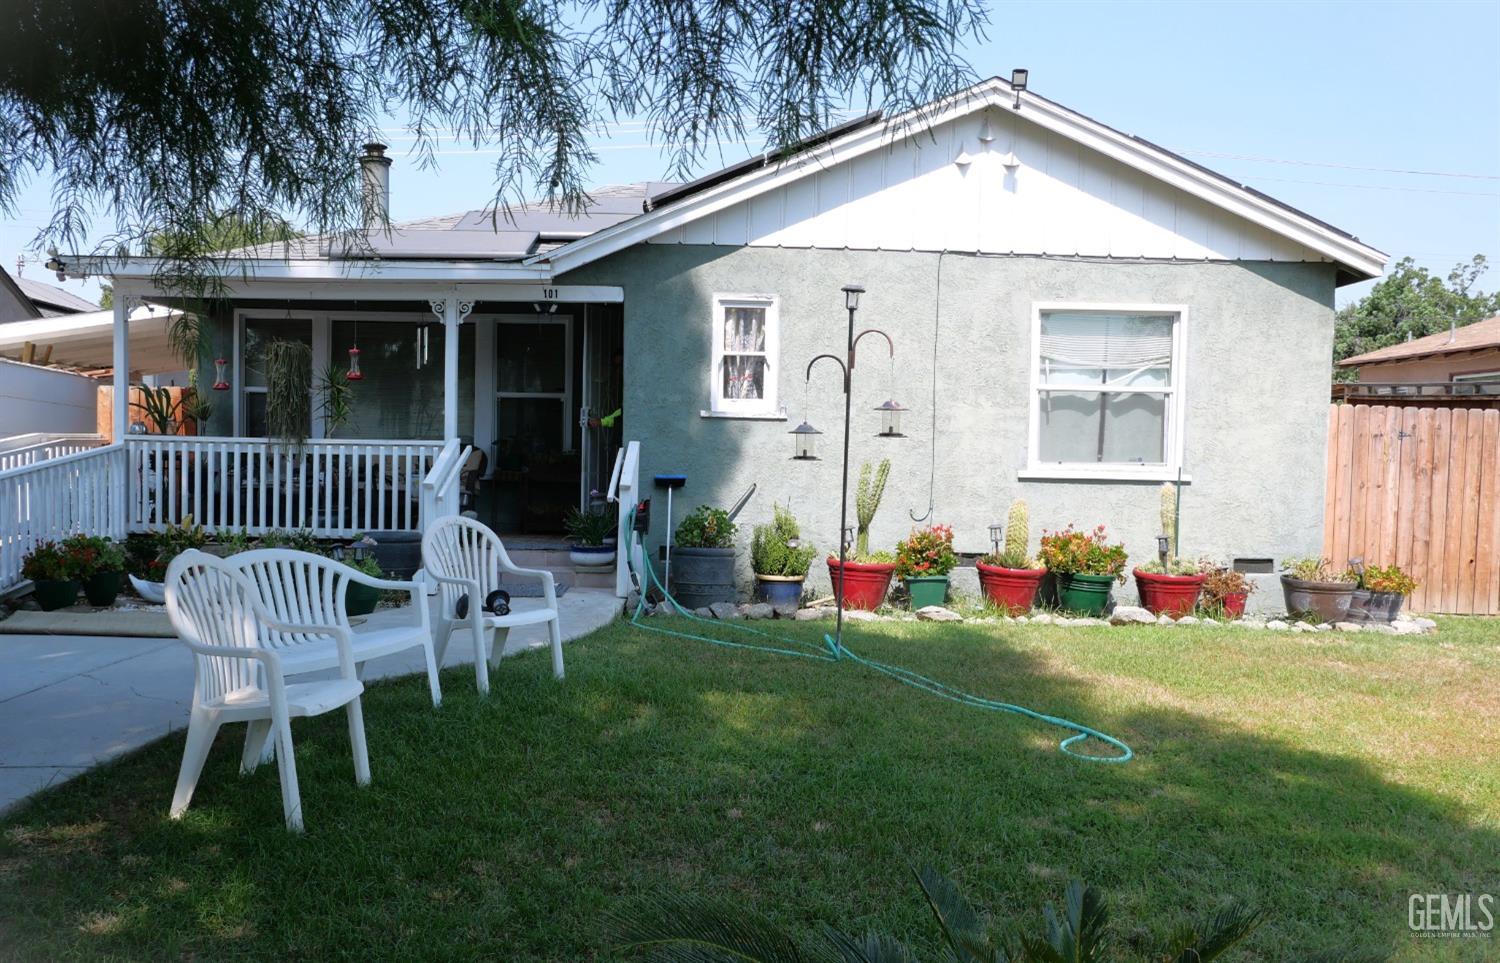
1107	391
745	338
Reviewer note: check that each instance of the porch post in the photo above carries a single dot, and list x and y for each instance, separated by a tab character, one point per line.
121	419
454	311
118	496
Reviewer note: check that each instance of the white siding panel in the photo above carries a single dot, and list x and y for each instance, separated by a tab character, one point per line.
1062	199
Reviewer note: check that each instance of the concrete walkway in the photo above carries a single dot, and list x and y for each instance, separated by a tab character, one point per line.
71	702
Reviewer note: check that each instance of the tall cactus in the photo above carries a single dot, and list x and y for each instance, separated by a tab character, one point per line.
1169	515
1017	530
867	495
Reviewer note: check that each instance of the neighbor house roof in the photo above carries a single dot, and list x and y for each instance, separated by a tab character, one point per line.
86	340
1471	337
52	300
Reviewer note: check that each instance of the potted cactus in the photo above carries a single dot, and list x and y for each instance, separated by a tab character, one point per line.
1169	585
1315	588
1379	593
923	560
1085	568
863	579
1010	578
779	559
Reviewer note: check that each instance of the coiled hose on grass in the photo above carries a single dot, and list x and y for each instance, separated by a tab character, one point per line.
832	651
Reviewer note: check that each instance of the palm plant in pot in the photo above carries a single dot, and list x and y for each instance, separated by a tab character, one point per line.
1315	588
864	579
586	533
1010	578
53	575
1379	592
1084	568
702	571
923	560
779	559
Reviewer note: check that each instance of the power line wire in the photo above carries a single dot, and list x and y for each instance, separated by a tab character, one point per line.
1347	167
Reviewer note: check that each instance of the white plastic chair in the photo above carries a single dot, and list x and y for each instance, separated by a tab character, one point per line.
240	678
310	589
465	558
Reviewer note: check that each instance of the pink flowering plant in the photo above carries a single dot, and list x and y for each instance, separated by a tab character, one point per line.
926	551
1071	552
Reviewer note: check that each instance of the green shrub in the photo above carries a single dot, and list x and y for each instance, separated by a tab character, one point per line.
91	555
706	527
777	549
1315	569
48	561
1388	579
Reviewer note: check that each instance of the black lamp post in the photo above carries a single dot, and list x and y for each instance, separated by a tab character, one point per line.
890	428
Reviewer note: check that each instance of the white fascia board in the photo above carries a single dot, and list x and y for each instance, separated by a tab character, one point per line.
248	271
47	330
994	93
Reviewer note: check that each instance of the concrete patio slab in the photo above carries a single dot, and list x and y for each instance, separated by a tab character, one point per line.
70	703
145	623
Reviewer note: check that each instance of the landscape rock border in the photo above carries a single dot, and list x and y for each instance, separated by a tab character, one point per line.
1121	615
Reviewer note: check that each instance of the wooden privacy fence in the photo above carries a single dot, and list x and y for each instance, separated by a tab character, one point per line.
1420	488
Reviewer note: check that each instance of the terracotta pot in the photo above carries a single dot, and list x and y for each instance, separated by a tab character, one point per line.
1012	589
863	584
1170	595
1084	594
1325	601
1234	604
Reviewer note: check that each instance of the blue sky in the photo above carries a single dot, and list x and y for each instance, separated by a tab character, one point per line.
1318	104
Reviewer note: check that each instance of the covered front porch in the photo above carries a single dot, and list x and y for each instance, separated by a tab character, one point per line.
486	396
525	382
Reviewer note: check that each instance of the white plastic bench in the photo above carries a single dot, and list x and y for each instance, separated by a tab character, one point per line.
240	654
464	557
310	589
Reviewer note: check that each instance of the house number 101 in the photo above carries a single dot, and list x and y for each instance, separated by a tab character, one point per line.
549	294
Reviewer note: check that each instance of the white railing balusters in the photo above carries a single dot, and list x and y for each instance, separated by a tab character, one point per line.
18	451
58	497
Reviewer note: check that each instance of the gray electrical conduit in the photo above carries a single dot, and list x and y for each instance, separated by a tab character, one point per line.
937	308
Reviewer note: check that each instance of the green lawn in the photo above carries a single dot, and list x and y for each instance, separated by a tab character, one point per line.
1325	777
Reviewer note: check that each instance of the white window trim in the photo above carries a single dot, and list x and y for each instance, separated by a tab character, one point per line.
767	408
1173	444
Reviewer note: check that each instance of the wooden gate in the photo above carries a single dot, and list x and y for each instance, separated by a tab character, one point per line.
1420	488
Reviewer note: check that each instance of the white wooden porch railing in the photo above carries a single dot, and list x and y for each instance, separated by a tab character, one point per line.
331	486
440	486
18	451
56	498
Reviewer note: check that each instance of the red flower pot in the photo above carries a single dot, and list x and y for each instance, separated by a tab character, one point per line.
1234	604
1012	589
864	584
1171	595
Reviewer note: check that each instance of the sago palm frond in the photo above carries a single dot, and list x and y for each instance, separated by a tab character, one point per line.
680	930
1214	936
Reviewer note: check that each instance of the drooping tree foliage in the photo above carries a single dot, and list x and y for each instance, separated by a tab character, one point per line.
1410	302
159	111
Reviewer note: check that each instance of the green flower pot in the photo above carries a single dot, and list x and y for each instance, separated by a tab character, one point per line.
360	599
1084	594
927	590
102	588
54	593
